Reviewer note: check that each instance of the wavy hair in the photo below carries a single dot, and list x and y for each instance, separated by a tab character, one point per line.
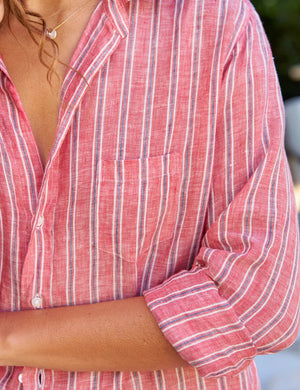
36	27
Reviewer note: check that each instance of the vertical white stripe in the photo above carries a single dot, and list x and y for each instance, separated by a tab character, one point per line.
43	243
26	151
76	175
67	221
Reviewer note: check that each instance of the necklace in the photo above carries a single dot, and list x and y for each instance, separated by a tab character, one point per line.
51	33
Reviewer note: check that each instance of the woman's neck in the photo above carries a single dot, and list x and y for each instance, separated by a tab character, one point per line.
56	11
53	10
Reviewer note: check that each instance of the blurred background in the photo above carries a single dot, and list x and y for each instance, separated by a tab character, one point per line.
281	20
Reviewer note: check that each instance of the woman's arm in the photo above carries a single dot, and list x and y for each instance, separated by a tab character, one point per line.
111	336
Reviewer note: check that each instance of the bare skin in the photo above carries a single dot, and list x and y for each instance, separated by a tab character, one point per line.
111	336
41	101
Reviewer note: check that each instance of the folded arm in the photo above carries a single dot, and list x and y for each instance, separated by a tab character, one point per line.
111	336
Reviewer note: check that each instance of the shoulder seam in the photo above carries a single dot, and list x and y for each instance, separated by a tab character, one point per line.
242	22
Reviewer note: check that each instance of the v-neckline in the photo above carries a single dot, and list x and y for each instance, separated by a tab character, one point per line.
18	101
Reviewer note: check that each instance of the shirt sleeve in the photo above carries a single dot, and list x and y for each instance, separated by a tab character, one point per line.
241	297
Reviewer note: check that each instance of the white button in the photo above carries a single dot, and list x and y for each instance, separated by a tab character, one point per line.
37	302
20	378
40	221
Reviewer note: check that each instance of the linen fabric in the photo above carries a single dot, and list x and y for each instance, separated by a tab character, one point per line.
168	178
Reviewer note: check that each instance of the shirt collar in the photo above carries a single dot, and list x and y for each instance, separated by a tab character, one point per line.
117	11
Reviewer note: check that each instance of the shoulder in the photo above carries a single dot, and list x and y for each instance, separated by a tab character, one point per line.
208	23
223	22
228	17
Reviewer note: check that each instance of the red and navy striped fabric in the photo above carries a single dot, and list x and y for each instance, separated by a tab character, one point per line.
167	178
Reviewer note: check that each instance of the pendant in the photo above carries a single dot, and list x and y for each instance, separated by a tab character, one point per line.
51	34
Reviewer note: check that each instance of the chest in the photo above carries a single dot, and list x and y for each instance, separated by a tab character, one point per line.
39	102
38	95
38	98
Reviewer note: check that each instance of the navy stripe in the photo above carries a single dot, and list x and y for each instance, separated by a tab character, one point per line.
174	74
125	97
39	256
6	378
159	376
225	353
243	377
146	282
237	27
181	378
3	68
223	385
95	381
187	153
118	374
136	380
250	108
229	133
116	14
72	380
265	129
142	208
146	136
15	225
200	380
118	227
213	332
180	294
151	83
96	184
196	313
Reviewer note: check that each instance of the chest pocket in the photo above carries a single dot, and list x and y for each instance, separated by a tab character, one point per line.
138	204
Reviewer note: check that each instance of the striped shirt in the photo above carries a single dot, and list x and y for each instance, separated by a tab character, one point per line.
167	178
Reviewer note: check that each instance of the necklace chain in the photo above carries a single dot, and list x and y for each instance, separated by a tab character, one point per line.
51	33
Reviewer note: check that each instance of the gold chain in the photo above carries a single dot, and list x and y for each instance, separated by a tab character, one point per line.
51	33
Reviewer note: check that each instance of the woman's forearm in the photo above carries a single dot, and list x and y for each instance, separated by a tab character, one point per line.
111	336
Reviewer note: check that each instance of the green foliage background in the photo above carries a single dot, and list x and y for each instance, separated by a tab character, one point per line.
281	19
